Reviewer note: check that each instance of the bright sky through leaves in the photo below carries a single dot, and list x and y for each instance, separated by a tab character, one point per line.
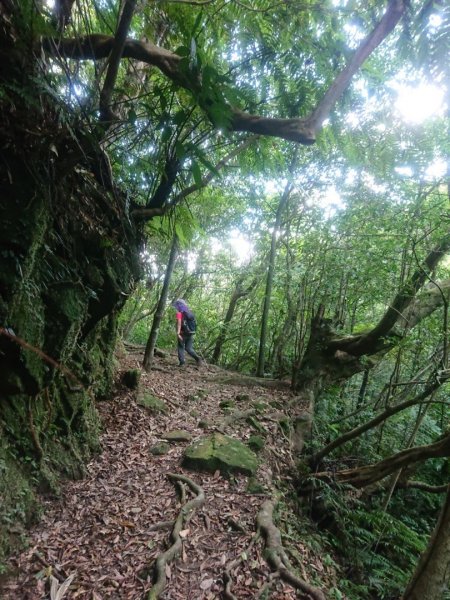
419	103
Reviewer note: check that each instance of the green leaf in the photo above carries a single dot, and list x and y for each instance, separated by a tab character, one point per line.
180	117
182	51
166	134
197	174
132	116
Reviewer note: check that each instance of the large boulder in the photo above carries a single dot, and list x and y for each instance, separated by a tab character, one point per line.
222	453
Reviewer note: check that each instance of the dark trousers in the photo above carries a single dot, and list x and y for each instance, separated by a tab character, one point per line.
187	344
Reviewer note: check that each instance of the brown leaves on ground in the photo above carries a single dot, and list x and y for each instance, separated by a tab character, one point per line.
103	532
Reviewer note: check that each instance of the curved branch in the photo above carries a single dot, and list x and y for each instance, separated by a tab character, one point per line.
368	475
301	130
357	431
401	302
391	17
148	212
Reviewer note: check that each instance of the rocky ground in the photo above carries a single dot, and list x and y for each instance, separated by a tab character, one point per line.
105	532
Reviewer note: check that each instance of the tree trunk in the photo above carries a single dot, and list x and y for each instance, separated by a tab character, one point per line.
61	286
237	294
431	579
270	272
159	313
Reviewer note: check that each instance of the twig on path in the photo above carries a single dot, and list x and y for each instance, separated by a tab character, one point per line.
276	556
183	518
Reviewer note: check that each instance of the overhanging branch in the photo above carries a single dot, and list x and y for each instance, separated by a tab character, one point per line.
368	475
300	130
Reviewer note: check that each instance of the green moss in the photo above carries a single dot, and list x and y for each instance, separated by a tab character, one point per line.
61	291
131	378
154	404
220	452
160	449
178	435
255	487
18	505
256	424
256	443
227	405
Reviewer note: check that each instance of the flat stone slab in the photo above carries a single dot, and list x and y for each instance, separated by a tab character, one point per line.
178	435
160	449
155	405
218	452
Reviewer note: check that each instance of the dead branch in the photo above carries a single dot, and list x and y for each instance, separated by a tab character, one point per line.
183	518
367	475
276	556
380	418
425	487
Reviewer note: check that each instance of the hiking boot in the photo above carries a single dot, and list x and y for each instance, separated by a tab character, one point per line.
181	365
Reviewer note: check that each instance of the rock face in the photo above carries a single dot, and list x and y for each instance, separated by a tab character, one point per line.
69	258
220	452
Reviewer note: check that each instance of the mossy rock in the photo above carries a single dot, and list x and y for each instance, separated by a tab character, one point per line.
131	378
154	404
255	487
220	453
256	443
178	435
227	405
160	449
198	395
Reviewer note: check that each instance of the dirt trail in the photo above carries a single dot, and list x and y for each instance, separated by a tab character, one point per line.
108	529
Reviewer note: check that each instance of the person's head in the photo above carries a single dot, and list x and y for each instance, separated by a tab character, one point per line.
180	305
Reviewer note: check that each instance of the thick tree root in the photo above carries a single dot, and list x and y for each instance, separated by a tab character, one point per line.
276	556
183	517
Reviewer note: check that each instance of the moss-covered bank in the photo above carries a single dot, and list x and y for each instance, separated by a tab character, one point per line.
68	260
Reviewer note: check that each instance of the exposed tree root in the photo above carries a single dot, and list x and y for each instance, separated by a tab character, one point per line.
276	556
183	517
266	587
227	579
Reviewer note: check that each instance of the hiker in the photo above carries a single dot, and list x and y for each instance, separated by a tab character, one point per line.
186	327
